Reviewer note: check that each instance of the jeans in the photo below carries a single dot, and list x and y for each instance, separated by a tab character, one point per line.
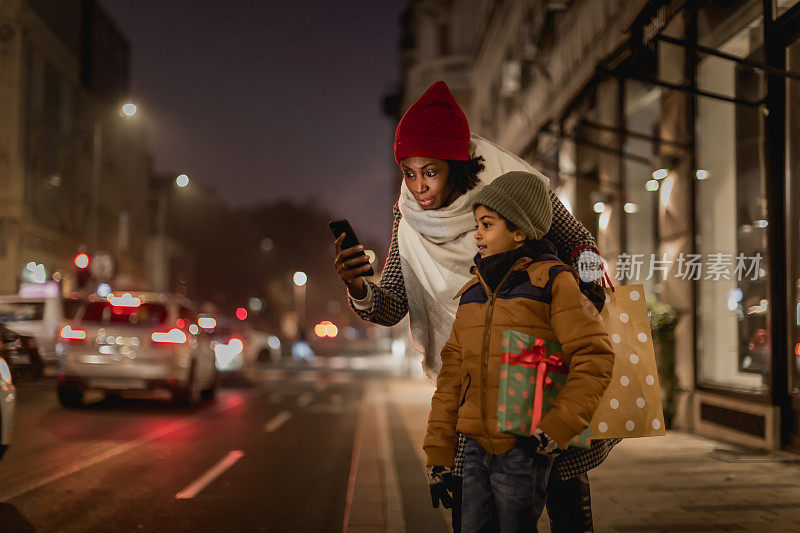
503	493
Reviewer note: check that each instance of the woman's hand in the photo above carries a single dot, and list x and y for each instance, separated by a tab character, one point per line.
351	270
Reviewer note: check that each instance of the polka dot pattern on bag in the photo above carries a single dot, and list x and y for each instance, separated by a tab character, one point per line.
631	405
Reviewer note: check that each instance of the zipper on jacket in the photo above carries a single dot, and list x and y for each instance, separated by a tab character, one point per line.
485	352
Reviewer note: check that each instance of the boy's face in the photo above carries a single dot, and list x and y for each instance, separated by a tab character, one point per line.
493	235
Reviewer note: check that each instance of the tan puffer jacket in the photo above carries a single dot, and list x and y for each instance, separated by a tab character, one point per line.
539	298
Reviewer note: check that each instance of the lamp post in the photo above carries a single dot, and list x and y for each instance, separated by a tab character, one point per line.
300	280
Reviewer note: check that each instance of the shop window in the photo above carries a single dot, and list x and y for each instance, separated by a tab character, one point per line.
640	206
734	307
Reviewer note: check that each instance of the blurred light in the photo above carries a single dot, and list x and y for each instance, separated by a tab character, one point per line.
702	174
39	275
320	330
255	304
651	185
81	260
5	372
599	207
126	300
182	180
666	191
72	334
193	329
660	174
761	223
300	278
129	109
173	336
605	218
241	313
631	207
274	342
103	290
370	255
57	276
350	333
332	330
267	244
31	266
398	348
236	345
797	349
181	323
207	322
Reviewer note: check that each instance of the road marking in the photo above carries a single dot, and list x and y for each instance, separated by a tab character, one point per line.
203	481
278	421
122	448
356	454
305	399
395	514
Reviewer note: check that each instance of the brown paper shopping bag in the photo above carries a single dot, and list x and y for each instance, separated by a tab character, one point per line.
631	405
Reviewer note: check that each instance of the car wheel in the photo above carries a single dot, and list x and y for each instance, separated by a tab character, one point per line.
211	392
69	396
188	396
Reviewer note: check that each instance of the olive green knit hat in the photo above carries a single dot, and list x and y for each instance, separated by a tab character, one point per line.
522	198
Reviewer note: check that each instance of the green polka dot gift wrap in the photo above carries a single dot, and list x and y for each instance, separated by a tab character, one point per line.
532	372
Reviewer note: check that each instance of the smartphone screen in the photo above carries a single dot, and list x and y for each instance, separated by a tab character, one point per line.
343	226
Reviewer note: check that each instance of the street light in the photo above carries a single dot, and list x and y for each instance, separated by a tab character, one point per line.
300	279
182	180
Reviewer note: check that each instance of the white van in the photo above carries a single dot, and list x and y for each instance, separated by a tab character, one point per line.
40	318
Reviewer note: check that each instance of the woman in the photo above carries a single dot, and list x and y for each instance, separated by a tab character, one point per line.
431	252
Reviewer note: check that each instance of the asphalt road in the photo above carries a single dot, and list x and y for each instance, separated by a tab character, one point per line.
271	455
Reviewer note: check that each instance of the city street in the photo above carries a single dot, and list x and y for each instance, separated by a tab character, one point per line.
334	445
270	456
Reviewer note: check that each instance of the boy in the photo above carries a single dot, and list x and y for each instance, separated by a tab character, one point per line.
519	285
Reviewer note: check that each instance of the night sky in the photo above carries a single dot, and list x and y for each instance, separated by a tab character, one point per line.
264	100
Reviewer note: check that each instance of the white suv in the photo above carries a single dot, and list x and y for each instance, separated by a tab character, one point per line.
135	341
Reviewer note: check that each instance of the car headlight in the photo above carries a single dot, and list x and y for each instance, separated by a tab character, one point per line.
5	372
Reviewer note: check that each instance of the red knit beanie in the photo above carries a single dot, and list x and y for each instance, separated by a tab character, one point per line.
434	126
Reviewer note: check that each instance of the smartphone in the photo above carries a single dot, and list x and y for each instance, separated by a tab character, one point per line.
343	226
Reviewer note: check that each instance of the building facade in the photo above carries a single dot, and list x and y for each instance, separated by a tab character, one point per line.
73	168
670	129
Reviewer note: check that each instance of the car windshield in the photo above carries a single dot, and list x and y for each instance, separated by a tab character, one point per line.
146	314
21	311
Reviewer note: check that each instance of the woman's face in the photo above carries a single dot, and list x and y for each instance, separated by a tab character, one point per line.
427	179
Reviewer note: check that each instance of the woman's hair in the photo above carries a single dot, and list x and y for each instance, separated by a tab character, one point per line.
464	174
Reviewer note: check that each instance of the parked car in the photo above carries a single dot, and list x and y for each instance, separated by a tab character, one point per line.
40	318
21	352
135	341
8	401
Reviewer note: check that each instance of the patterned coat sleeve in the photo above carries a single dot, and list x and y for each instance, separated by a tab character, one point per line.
389	301
566	233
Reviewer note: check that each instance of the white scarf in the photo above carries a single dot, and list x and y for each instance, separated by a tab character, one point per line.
436	251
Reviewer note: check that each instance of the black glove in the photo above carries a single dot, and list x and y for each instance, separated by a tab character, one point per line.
540	442
443	486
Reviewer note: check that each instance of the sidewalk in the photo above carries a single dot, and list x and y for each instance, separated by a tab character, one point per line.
680	482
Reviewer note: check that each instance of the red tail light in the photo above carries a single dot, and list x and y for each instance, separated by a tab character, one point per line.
173	336
71	333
